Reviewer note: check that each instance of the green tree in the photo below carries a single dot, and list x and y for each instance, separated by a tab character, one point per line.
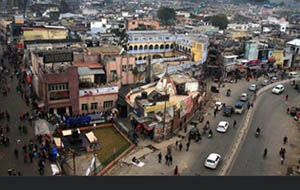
220	21
166	15
64	7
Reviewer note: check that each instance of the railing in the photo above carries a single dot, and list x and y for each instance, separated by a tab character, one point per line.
149	51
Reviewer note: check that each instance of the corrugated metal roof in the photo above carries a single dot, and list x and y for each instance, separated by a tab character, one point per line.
87	71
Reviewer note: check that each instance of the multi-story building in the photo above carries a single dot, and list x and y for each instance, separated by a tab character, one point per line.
133	24
55	81
161	43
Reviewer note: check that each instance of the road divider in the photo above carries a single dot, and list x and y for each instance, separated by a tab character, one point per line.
242	133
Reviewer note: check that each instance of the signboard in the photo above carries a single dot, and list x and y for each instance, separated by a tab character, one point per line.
58	57
60	95
159	106
186	106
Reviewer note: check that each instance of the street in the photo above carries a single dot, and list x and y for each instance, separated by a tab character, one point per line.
191	163
15	105
271	117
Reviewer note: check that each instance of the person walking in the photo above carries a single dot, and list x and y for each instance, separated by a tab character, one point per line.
282	160
176	144
171	159
31	156
167	159
288	110
215	112
285	139
20	129
234	123
176	171
248	105
25	158
159	157
287	97
16	154
187	146
180	146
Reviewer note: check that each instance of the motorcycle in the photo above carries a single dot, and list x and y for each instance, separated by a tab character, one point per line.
257	134
228	93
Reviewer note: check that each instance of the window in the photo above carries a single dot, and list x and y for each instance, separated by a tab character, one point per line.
108	104
94	106
123	67
84	107
130	67
58	86
114	75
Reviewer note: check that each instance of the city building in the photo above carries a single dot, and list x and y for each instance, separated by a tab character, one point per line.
161	109
55	81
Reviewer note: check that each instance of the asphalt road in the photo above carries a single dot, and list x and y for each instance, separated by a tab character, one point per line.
271	117
221	142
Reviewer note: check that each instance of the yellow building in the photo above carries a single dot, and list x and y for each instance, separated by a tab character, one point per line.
278	55
161	43
237	35
44	33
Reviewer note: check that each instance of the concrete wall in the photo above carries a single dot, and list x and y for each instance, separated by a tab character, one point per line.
100	99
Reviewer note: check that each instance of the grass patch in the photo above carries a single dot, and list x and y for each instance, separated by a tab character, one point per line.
112	144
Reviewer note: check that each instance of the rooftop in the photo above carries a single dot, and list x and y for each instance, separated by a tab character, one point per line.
105	49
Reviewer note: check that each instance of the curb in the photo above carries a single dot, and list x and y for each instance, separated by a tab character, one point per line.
241	136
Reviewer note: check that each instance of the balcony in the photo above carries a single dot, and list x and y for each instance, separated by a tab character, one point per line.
149	51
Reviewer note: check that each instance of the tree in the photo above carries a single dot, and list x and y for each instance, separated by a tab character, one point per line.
64	7
220	21
166	15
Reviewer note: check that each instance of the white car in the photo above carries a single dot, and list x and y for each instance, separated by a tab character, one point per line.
212	161
265	83
278	89
218	105
274	79
252	87
244	97
222	126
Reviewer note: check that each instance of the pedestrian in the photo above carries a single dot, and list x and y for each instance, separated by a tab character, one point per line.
248	105
176	144
167	159
24	148
20	129
176	170
159	157
234	123
187	146
41	171
25	158
9	171
282	160
7	128
288	110
285	139
180	146
30	156
17	154
171	159
287	97
215	112
169	149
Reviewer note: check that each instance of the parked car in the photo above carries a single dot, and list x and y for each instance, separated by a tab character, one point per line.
278	89
293	74
265	82
244	97
218	106
252	87
228	111
212	161
274	79
222	126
